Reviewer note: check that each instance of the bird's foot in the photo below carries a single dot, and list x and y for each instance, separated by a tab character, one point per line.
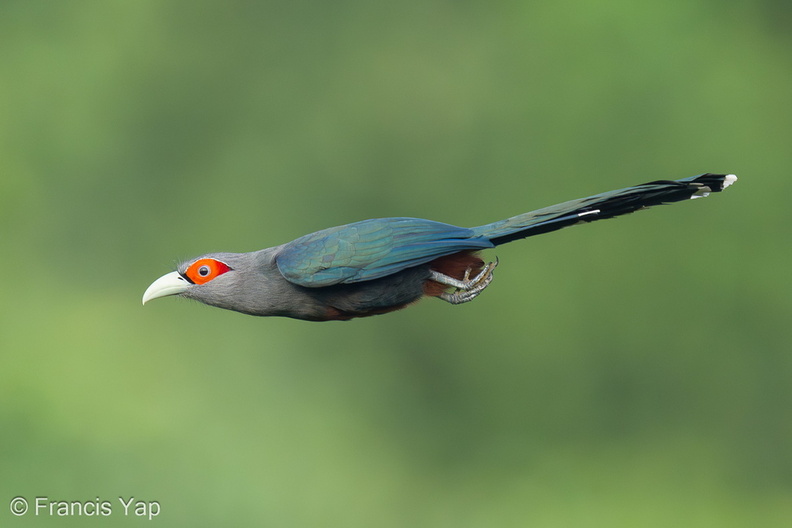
466	289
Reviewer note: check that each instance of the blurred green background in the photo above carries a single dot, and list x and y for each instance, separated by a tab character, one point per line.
634	372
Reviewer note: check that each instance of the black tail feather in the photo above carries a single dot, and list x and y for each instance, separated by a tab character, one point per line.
604	205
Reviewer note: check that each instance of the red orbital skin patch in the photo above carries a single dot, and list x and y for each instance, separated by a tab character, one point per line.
203	270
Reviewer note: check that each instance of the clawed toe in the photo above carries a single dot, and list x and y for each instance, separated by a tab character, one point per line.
466	289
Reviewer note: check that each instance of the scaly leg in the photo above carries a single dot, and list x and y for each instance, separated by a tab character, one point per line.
467	289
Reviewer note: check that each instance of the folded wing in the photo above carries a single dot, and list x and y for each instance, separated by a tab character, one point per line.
371	249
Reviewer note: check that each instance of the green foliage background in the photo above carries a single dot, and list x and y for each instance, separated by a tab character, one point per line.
634	372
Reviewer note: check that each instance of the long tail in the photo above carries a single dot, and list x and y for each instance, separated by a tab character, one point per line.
605	205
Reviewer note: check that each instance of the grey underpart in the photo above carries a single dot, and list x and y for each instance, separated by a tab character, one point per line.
467	289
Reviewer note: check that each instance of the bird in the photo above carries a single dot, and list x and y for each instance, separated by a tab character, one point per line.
380	265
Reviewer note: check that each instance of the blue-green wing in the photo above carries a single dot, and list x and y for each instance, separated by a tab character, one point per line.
371	249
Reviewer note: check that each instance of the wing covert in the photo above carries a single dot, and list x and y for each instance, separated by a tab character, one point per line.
371	249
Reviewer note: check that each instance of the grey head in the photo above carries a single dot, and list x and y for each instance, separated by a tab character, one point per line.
244	282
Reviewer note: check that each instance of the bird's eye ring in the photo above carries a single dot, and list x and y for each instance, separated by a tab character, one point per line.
205	269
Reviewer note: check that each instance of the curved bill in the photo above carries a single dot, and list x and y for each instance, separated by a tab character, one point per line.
170	284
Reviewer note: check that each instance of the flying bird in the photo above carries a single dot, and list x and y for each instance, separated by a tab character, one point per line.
380	265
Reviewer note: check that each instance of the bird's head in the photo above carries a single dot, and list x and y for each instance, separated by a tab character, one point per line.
203	278
244	282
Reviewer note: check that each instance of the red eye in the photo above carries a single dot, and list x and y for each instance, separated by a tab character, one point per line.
203	270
